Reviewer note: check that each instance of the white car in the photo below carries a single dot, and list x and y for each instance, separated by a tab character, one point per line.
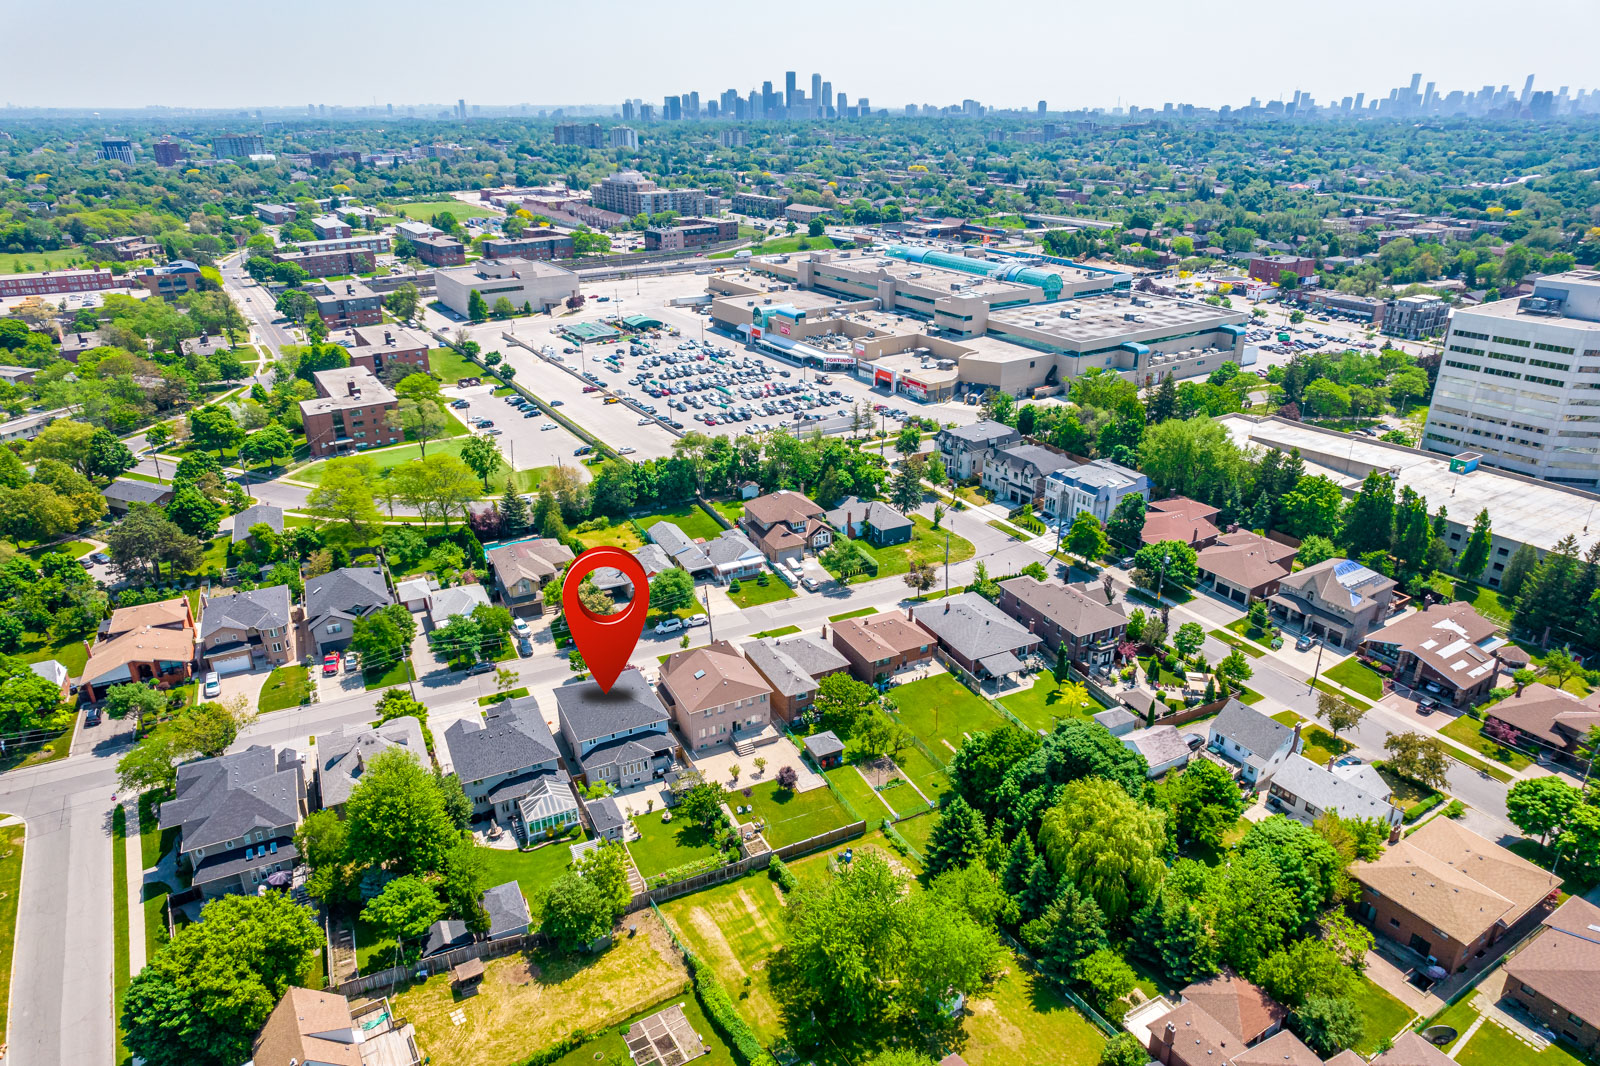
546	425
213	685
522	629
669	625
626	451
696	620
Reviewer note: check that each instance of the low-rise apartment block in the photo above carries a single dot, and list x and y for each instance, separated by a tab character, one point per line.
330	227
274	214
125	248
326	264
343	304
378	348
170	280
535	244
349	414
757	204
440	251
690	233
630	193
52	282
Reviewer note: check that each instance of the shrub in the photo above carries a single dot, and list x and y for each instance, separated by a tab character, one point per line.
779	871
1417	810
724	1016
1455	810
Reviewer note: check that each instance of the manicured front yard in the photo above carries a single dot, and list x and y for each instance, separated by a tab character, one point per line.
690	518
926	546
1383	1014
74	548
942	711
1048	700
398	674
1469	731
1320	745
753	594
533	871
791	817
664	846
1357	677
860	613
287	686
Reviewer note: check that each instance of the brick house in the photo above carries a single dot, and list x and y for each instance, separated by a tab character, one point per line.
1181	519
1553	719
523	568
785	524
248	630
715	697
349	414
1552	974
881	645
151	642
1074	620
794	666
1447	650
1224	1020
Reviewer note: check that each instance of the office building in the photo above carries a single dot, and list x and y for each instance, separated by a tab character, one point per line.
168	152
522	281
170	280
238	145
579	135
624	137
630	193
690	233
51	282
350	413
1415	317
117	150
1520	383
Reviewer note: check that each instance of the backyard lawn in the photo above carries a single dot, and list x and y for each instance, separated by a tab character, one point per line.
1319	744
732	510
791	816
1469	731
918	830
1049	700
941	711
37	647
861	795
733	928
754	594
664	846
533	871
287	686
930	778
610	1049
531	1001
1023	1019
618	535
1357	677
690	518
926	546
426	209
1384	1015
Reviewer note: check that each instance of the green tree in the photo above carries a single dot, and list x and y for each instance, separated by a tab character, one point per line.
1339	713
482	456
908	440
1086	539
1108	978
842	561
1304	861
1369	520
150	764
1071	929
702	804
107	456
1124	1049
1305	968
1540	806
1314	549
671	590
214	427
1475	555
576	912
1127	523
1188	639
1204	803
1311	508
1421	758
959	837
383	637
405	908
477	306
346	498
420	420
1330	1024
1169	564
397	816
1105	842
1195	458
193	513
1524	561
272	444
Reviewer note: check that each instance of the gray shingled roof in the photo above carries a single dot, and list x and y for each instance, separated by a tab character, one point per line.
875	513
1250	728
676	543
972	626
266	608
605	814
444	935
1159	744
779	667
823	744
127	490
223	798
342	756
259	514
1024	456
981	432
731	547
1075	612
1321	788
586	713
623	750
507	908
514	737
353	590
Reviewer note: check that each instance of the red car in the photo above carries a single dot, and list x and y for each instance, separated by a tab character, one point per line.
330	664
591	388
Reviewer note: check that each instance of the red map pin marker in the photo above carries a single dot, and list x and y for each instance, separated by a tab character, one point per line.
606	641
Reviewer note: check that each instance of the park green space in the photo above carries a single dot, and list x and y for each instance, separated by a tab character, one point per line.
426	209
527	481
34	262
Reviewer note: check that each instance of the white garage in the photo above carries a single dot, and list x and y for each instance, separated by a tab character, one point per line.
234	664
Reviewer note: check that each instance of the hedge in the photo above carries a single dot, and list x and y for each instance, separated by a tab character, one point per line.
779	871
559	1050
1417	810
725	1017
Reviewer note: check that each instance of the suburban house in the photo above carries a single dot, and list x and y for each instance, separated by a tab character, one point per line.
316	1028
1223	1020
872	521
1074	620
785	524
150	642
508	911
964	449
825	748
1252	741
1097	487
1446	650
619	737
1244	566
236	816
342	756
794	666
684	551
260	514
247	630
1337	600
523	568
1016	474
1182	519
1162	746
1303	790
977	635
733	557
1447	893
445	604
510	768
125	492
1546	716
336	599
1410	1049
619	586
715	696
881	645
1552	974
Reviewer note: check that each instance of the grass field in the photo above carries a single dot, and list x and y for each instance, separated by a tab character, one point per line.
792	816
664	846
285	687
531	1001
753	594
619	535
691	519
1049	700
11	843
861	613
610	1049
120	956
426	209
918	830
1320	745
1022	1019
533	871
781	244
73	548
1469	731
30	262
1357	677
450	366
860	794
926	546
1384	1015
941	711
386	458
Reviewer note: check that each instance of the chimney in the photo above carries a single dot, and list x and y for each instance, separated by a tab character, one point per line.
1295	745
351	385
1169	1034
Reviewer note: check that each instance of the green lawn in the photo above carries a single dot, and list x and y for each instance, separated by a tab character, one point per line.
1469	731
781	631
533	871
664	846
610	1049
374	951
154	841
1485	601
398	674
691	519
11	843
1385	1016
791	816
1049	700
782	244
861	613
928	776
450	366
860	795
386	458
619	535
425	210
926	546
941	709
732	510
74	548
752	594
154	904
287	686
1320	745
918	830
1023	1019
1405	792
34	262
1357	677
120	956
1492	1045
37	647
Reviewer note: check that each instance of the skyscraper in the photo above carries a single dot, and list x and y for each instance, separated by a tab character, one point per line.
816	90
790	93
691	105
461	109
117	150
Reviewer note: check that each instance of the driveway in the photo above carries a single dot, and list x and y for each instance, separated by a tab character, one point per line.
247	684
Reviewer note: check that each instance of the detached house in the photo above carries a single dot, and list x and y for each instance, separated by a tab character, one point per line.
716	697
619	737
1446	650
151	642
733	557
1337	600
247	630
343	756
1244	566
872	521
523	568
1181	519
236	816
1074	620
336	599
881	645
1252	741
1226	1020
964	449
785	525
684	551
794	666
1552	975
510	768
977	635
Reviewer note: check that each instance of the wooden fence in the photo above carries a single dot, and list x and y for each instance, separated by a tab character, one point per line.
738	869
436	964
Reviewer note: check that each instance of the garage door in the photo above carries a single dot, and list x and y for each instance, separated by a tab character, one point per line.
238	664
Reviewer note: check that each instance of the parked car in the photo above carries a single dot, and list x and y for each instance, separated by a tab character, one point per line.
213	685
330	664
1303	643
696	620
546	425
522	629
100	557
93	717
481	668
669	625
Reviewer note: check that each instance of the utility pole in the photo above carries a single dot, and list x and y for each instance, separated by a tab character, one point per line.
1161	578
1317	668
947	563
711	632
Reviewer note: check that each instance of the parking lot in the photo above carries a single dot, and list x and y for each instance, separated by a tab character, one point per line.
527	440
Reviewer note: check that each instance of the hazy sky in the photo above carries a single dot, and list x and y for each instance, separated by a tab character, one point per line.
206	53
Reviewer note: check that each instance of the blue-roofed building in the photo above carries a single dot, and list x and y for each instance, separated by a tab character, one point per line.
1337	600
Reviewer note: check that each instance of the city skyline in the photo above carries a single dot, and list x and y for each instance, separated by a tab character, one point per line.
1208	64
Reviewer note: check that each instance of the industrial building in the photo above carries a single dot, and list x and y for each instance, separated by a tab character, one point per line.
522	281
1519	382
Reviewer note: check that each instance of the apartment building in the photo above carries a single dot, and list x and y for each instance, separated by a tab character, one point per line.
330	227
168	153
1520	383
690	233
274	214
376	349
127	248
624	137
630	193
1270	268
51	282
540	244
805	213
349	303
170	280
324	264
522	281
350	413
238	145
440	251
1414	317
753	203
579	135
117	150
376	243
